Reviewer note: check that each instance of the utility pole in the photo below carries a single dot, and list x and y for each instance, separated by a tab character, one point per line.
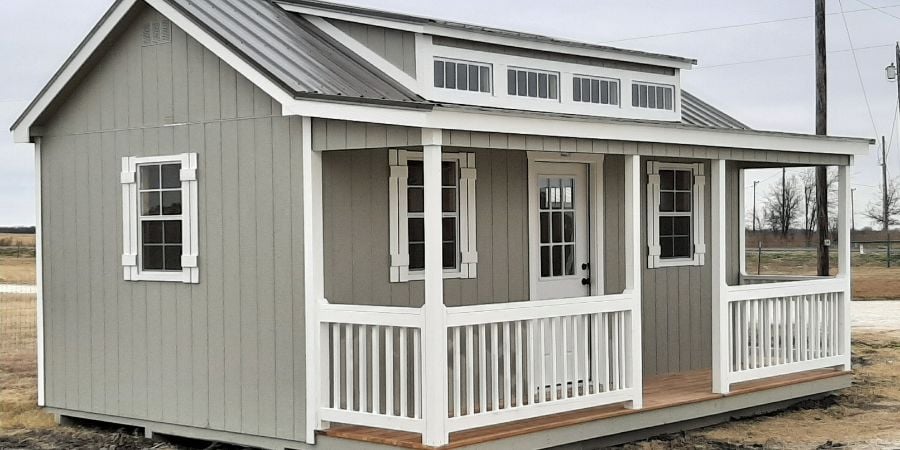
755	182
821	129
884	200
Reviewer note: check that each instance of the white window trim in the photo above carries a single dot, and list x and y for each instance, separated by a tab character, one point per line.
698	245
489	66
675	98
559	84
468	257
599	78
131	238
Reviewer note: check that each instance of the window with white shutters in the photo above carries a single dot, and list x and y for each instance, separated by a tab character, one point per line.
675	214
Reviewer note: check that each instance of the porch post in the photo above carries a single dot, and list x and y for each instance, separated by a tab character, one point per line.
434	345
844	238
742	224
720	325
633	264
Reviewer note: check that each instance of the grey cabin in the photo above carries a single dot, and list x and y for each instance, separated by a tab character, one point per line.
297	224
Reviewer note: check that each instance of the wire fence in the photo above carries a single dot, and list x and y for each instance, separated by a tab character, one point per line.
18	322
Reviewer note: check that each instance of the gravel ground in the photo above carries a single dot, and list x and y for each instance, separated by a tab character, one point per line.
875	315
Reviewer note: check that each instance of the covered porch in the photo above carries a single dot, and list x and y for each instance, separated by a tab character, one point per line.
459	373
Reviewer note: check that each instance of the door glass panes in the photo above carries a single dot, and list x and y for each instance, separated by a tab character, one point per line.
675	213
160	219
556	218
415	200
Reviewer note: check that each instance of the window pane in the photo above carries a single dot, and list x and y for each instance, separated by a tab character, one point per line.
172	231
150	203
595	91
576	89
643	96
683	180
660	95
665	226
532	84
462	76
542	85
152	232
666	180
448	174
651	97
171	176
683	201
554	87
448	199
545	194
568	192
666	247
450	75
172	257
152	257
545	227
448	229
586	89
511	82
613	93
635	97
557	260
545	261
669	94
522	83
570	260
171	203
557	227
485	82
682	247
415	200
414	175
439	74
604	92
681	226
473	77
449	255
667	201
569	226
149	177
416	256
416	230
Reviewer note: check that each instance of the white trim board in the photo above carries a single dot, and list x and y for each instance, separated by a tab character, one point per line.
39	273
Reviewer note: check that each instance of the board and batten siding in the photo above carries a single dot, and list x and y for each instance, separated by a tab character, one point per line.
226	353
395	46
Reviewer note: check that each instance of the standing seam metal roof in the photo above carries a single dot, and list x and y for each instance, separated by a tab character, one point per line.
697	112
294	52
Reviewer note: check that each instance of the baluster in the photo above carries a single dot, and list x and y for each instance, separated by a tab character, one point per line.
457	383
417	373
576	375
336	365
376	370
624	382
586	352
362	370
563	352
554	352
734	360
495	369
531	386
602	319
616	361
470	372
507	373
543	356
745	333
404	364
519	368
348	359
482	369
389	371
803	324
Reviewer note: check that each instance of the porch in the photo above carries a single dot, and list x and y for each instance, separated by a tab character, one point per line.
443	373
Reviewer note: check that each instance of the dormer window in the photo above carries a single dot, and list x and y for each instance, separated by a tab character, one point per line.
604	91
462	75
652	96
533	83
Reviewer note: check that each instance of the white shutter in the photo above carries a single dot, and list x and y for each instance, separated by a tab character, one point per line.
468	237
128	180
653	248
397	209
698	220
190	223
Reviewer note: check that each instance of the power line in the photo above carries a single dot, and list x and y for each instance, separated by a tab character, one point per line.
881	10
858	72
750	24
781	58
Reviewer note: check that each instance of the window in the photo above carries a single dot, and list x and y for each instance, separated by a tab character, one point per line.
652	96
407	201
556	213
462	76
675	214
595	90
531	83
159	196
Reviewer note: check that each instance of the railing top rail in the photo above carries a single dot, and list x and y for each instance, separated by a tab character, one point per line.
400	316
785	289
526	310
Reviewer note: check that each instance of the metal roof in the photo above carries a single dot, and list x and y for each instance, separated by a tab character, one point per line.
697	112
294	52
407	18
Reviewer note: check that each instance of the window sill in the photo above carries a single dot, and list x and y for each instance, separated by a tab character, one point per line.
661	263
172	277
420	276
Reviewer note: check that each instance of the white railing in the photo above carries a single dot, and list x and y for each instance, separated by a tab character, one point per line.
780	328
515	361
372	366
762	279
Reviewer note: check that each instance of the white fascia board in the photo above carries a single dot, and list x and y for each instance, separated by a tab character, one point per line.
438	30
373	58
643	132
22	130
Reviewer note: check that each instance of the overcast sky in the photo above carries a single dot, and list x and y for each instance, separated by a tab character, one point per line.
755	62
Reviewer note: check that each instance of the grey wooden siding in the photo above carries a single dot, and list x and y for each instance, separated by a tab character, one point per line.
397	47
733	213
357	254
227	353
677	304
614	223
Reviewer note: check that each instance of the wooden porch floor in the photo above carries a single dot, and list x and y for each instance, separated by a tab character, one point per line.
659	392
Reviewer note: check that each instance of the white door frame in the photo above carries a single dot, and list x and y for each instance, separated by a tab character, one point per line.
595	216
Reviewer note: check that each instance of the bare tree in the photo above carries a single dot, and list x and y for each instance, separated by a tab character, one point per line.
811	207
782	206
875	209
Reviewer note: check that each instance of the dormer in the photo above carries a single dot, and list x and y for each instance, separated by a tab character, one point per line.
467	65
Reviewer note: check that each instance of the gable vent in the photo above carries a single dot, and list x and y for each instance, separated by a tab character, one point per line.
157	32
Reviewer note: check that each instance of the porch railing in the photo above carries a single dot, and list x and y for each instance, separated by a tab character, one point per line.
505	362
780	328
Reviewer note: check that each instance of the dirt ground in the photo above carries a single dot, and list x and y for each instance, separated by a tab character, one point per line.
16	270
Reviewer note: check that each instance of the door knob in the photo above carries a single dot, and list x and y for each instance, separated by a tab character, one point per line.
585	281
585	266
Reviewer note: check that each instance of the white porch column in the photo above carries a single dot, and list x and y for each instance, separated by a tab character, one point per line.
633	264
742	224
434	345
844	237
720	325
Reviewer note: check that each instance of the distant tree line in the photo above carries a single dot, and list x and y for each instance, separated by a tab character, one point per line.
17	230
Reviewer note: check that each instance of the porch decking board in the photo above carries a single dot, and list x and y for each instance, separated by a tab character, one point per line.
665	391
